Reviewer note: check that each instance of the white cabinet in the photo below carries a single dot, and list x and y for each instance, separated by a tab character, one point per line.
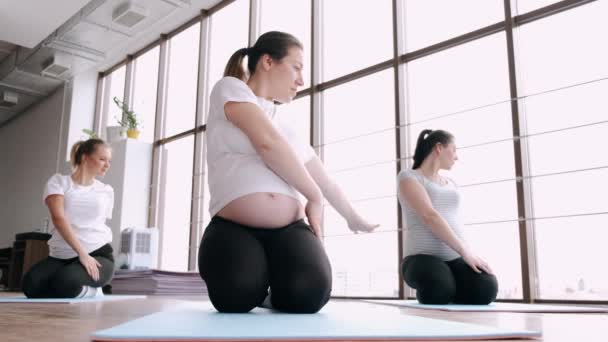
129	175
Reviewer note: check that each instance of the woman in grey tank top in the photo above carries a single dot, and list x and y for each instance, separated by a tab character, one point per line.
438	263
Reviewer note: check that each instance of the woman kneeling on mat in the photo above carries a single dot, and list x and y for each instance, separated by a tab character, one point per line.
438	263
257	237
80	260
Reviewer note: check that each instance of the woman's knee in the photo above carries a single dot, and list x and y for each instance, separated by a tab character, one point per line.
33	285
237	294
480	290
303	294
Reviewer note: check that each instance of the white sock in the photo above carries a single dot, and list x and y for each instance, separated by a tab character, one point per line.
267	303
88	292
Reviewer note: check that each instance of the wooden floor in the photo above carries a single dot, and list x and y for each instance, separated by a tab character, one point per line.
67	323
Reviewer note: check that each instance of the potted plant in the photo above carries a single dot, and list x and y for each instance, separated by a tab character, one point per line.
128	120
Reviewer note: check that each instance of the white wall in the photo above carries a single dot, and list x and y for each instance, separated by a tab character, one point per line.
29	154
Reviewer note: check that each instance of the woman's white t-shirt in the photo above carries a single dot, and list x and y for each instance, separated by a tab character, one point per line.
235	168
86	209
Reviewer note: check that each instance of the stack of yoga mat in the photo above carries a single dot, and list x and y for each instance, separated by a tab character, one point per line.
157	282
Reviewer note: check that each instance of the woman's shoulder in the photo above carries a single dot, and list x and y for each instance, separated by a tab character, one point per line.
229	83
59	179
409	173
101	186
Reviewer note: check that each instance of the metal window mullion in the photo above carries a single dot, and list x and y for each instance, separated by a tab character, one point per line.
316	100
129	84
99	99
159	128
198	177
400	117
524	208
255	13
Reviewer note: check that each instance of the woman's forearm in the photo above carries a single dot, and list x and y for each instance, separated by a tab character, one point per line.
442	230
281	159
65	229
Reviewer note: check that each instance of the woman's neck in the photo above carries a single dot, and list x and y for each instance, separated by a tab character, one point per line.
81	177
257	86
430	169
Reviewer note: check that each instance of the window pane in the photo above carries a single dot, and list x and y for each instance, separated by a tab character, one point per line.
357	34
144	92
229	32
350	111
458	78
484	163
571	254
568	150
176	203
564	49
566	108
570	193
524	6
484	154
117	89
293	17
498	244
489	202
496	122
429	22
183	75
374	272
382	181
297	115
378	148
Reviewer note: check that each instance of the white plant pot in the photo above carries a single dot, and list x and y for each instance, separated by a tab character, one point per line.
115	133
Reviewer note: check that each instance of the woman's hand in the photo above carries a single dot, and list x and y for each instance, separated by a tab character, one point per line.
358	224
314	213
90	265
476	263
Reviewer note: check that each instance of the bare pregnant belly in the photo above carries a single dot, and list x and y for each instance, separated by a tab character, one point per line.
263	210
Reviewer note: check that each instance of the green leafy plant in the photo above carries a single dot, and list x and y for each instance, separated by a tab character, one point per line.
129	118
90	133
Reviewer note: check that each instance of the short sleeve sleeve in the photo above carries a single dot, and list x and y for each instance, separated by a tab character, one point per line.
110	201
56	185
408	173
231	89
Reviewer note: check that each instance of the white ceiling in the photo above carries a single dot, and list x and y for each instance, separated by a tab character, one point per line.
28	22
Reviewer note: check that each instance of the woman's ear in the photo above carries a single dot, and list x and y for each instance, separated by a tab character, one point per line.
266	61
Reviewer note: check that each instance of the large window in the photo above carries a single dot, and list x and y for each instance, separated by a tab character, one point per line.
117	89
356	34
429	22
176	203
182	86
566	122
292	17
229	32
144	92
359	144
450	75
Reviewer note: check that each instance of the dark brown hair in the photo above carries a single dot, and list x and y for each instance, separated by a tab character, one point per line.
273	43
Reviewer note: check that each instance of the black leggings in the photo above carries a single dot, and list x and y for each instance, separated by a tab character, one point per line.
64	278
443	282
238	263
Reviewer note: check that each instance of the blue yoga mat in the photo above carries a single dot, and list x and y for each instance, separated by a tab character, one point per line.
337	321
496	307
105	298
